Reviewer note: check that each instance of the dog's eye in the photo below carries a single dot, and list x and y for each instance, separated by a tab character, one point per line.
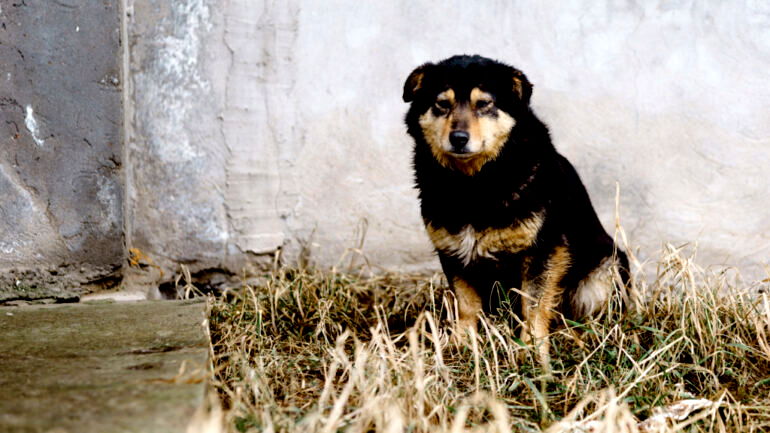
483	103
443	104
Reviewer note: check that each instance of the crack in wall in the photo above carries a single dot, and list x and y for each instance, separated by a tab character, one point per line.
253	134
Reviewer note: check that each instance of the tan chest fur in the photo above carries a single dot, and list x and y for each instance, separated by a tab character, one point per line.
469	244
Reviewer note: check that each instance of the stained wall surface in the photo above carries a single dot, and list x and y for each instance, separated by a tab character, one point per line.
61	187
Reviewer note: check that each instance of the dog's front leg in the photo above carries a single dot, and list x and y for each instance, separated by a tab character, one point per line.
538	313
541	307
468	304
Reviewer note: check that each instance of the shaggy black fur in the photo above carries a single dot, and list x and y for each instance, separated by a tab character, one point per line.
527	176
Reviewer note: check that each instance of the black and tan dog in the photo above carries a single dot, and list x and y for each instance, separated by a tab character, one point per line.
499	203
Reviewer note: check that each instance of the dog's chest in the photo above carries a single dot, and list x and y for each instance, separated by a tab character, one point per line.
469	244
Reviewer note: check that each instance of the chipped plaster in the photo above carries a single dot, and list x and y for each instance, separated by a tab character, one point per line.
31	123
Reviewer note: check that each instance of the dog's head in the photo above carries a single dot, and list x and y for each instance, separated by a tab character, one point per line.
466	107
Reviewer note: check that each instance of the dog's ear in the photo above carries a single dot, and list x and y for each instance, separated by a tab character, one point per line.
414	82
521	86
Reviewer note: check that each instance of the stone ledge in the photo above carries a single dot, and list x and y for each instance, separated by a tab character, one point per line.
102	367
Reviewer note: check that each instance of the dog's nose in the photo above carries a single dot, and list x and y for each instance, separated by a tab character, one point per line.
459	139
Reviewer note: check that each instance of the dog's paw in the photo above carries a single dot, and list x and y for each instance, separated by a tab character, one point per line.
462	332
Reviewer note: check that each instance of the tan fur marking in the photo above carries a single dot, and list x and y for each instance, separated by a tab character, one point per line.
469	245
494	132
474	128
446	95
434	129
468	303
511	239
477	95
488	133
540	312
518	87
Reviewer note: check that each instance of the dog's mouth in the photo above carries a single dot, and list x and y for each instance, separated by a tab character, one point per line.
462	154
465	152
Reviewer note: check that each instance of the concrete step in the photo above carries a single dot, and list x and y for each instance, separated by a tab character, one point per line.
103	367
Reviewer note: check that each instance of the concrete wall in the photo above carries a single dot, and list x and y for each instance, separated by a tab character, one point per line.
61	188
278	124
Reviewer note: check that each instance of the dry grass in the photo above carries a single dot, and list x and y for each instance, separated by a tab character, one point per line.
312	351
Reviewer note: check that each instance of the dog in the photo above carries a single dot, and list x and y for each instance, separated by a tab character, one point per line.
500	204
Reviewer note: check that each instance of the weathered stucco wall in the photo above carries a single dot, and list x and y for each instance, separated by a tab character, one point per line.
267	124
61	188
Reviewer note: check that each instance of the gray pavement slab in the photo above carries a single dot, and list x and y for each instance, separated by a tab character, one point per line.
102	367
